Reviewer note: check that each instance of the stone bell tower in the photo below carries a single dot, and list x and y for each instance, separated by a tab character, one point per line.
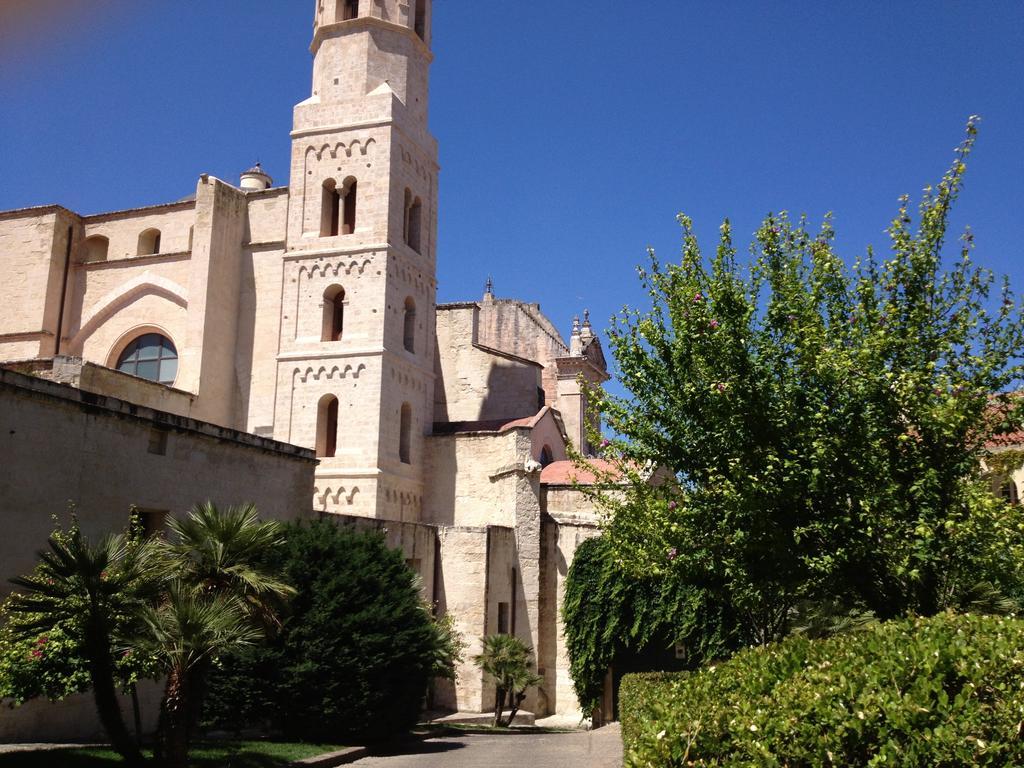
355	361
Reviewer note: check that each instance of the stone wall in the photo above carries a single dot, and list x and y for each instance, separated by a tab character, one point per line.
477	383
61	446
73	720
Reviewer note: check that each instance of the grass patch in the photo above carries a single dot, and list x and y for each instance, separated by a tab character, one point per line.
228	754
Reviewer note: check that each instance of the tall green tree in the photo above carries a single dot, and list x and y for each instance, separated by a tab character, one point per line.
355	654
825	425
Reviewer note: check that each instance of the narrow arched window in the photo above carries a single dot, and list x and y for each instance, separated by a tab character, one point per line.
405	434
546	456
149	242
97	248
405	220
334	314
420	24
150	356
415	225
409	326
348	223
349	10
330	209
327	427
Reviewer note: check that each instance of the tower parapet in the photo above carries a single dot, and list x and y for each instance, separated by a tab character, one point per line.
360	46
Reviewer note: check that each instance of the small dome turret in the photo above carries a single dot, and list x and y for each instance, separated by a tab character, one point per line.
256	179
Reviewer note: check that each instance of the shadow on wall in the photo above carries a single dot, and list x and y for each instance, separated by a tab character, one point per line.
246	333
510	390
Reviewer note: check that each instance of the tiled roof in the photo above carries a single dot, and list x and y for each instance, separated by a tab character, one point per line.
567	473
1006	440
492	425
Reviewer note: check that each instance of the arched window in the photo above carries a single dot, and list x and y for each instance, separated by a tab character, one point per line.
334	313
421	19
149	242
348	222
349	9
97	248
409	326
151	356
546	456
338	208
415	225
330	210
405	221
327	427
405	434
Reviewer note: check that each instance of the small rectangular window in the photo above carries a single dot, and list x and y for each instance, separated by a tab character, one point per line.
514	583
503	617
149	522
158	442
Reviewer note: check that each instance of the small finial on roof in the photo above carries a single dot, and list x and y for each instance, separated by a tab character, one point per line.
587	333
575	338
489	287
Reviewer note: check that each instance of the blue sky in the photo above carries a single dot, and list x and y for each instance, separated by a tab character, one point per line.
571	133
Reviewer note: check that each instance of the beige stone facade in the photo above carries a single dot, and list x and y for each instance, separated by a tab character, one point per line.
305	315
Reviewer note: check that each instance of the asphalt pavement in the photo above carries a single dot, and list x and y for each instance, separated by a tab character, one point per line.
601	748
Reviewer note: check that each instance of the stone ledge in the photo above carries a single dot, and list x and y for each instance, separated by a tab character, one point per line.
34	387
341	757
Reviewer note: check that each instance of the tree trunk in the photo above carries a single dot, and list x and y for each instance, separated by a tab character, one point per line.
515	701
137	714
101	675
499	702
175	723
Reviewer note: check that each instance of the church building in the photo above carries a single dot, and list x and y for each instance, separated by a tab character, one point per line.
289	336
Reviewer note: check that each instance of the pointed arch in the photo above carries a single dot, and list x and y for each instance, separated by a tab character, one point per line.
146	283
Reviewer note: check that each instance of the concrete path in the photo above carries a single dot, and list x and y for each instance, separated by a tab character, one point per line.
579	749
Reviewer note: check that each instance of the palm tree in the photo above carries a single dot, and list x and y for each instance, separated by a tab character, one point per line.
507	660
185	632
223	596
95	589
224	551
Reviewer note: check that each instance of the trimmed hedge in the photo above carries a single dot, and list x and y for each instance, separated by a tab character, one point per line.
943	691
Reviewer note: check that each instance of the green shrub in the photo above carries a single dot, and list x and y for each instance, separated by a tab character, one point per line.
609	613
639	694
354	659
943	691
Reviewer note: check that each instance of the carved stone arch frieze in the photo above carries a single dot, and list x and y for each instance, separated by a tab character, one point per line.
328	372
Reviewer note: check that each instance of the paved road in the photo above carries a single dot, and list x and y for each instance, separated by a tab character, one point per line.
592	749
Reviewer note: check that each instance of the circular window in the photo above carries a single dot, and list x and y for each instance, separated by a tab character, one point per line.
152	357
